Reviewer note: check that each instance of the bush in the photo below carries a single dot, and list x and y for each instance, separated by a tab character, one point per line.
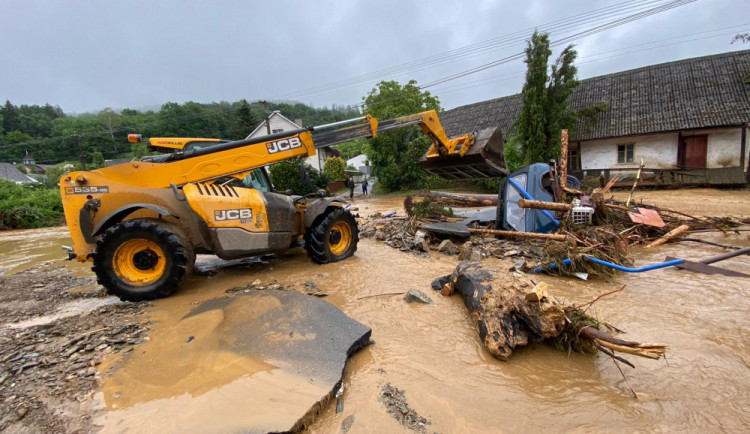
286	176
29	205
335	169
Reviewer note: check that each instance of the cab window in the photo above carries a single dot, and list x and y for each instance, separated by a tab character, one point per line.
257	180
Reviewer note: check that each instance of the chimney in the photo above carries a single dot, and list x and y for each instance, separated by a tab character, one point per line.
298	122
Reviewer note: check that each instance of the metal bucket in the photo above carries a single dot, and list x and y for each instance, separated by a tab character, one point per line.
484	159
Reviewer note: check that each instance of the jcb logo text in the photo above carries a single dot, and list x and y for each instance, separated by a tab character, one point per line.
243	215
283	145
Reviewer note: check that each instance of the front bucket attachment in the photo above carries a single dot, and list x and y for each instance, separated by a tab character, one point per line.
484	159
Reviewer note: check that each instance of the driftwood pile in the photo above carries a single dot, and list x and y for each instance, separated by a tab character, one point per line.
610	236
511	310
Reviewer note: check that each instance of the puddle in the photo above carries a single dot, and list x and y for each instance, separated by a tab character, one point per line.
66	310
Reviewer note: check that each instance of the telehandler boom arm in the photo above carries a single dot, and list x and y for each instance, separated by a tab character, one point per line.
238	157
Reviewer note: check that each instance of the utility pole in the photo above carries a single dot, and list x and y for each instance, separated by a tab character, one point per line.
80	151
265	110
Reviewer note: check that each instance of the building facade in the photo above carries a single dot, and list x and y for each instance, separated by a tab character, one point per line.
686	120
278	123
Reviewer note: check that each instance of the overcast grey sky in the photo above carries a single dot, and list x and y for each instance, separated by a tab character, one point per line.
87	55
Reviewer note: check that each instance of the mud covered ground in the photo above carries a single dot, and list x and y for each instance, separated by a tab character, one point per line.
56	329
60	336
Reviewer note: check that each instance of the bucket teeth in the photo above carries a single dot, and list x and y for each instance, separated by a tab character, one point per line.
484	159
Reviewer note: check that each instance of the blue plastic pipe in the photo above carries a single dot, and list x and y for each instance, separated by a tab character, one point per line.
526	195
593	260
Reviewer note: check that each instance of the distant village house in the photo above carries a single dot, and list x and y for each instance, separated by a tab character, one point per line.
277	123
687	121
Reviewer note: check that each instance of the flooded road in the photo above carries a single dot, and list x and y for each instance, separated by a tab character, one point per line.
433	352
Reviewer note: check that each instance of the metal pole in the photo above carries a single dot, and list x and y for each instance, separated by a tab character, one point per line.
268	123
80	151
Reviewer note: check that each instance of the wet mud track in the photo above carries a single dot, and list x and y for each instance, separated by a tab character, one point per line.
431	352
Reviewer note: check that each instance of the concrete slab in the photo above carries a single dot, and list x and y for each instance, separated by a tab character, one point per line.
299	333
262	361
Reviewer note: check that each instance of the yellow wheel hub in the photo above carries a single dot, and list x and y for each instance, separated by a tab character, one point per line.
340	238
139	262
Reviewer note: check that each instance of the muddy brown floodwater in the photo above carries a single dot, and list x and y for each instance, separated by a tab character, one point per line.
432	352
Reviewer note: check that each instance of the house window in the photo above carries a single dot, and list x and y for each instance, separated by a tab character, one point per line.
280	130
625	153
573	161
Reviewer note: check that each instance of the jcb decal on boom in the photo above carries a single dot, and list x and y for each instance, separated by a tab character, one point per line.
244	215
283	145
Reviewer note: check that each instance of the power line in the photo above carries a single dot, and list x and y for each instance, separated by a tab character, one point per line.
599	28
472	50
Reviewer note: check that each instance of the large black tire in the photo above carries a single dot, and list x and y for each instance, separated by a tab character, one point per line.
142	260
332	237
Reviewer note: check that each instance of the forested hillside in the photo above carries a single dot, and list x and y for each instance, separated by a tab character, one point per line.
48	133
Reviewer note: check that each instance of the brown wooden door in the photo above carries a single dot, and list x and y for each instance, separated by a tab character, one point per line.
694	150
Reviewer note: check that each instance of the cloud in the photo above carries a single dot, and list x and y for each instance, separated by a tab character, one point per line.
89	55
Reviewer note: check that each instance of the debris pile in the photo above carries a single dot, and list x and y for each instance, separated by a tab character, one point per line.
394	401
55	362
404	233
43	290
309	288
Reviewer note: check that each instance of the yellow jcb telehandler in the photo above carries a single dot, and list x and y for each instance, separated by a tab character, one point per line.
141	223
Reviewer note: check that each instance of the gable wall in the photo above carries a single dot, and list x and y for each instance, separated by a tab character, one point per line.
659	151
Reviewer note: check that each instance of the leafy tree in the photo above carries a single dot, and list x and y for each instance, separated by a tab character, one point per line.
335	169
10	116
97	160
28	206
54	173
394	155
139	150
545	99
287	175
17	137
351	149
111	121
244	122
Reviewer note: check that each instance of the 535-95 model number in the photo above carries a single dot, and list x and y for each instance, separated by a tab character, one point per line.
92	189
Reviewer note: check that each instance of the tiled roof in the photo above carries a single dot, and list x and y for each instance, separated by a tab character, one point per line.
693	93
10	172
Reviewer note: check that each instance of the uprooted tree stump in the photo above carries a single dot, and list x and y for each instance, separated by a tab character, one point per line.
510	310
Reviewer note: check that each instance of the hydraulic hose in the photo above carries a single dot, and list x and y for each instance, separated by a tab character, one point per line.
593	260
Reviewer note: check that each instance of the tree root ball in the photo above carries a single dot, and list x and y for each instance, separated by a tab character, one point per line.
497	300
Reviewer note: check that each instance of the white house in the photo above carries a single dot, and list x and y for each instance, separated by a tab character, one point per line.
359	163
687	121
278	123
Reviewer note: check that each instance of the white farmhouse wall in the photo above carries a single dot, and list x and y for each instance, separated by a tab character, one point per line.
659	151
723	147
656	150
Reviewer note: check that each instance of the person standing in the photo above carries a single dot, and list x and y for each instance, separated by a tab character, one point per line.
364	187
350	184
